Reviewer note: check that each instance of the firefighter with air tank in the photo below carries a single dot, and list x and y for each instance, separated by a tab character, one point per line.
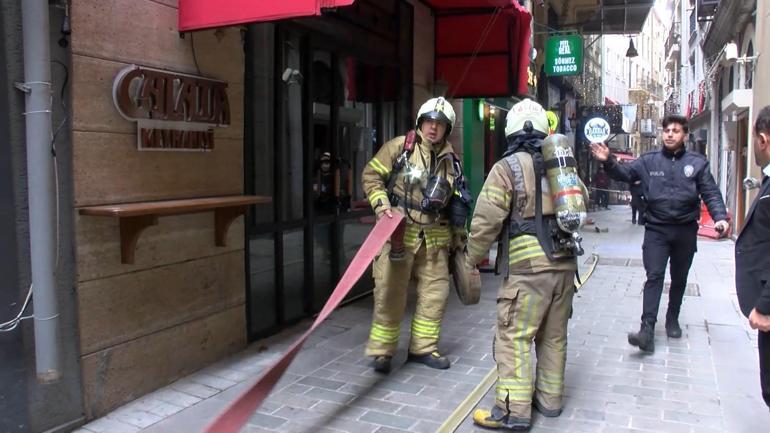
419	176
533	204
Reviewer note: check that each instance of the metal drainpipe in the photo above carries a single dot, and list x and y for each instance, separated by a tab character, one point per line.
40	181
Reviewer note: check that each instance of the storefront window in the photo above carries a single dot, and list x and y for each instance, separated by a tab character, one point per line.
262	303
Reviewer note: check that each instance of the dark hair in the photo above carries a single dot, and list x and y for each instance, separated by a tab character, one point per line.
675	118
762	124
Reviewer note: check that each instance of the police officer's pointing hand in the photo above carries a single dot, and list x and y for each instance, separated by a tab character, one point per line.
600	151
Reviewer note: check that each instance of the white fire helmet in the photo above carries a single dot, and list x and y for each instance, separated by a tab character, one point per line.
437	109
523	112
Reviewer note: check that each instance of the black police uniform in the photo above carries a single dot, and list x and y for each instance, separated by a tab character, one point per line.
673	185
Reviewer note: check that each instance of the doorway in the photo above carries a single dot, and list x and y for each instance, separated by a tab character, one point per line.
320	113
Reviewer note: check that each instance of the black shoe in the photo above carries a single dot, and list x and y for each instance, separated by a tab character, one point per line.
550	413
673	330
432	360
381	364
645	338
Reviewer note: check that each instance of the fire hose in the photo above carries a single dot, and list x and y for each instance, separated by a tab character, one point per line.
241	409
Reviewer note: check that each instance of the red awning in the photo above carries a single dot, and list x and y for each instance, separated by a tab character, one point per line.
203	14
482	47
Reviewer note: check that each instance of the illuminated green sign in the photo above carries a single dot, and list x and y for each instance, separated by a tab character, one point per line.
564	55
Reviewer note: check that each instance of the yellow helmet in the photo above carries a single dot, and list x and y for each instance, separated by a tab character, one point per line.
525	117
437	109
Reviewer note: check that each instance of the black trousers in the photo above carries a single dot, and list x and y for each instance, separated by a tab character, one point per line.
661	243
764	365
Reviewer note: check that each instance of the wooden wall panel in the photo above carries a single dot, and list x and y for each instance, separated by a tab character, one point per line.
180	306
134	305
92	100
119	374
109	169
98	243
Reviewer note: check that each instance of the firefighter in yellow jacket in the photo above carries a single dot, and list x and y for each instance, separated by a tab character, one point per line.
535	300
414	175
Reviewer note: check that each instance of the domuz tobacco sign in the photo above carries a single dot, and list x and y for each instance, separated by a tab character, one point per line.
173	111
564	55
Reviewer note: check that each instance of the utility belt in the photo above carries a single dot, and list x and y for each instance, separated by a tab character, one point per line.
558	243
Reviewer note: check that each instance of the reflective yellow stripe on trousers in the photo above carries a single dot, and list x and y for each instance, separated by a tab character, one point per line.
384	334
426	328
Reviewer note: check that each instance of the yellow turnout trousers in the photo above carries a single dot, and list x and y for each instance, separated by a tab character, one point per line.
391	279
532	307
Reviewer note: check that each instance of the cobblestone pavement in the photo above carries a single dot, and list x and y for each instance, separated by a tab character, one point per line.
707	381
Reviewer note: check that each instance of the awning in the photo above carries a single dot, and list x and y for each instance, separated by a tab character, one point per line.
204	14
610	16
482	47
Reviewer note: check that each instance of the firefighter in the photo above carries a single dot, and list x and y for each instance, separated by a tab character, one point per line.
416	176
535	300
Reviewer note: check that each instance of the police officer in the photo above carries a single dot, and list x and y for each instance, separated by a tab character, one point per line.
415	177
535	300
673	183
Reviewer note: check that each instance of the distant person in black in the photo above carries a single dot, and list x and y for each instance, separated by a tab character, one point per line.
637	203
674	182
601	185
324	188
752	255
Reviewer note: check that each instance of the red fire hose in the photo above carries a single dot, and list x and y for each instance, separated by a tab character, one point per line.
239	411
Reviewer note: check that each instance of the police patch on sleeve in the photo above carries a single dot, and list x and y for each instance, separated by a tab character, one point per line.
689	170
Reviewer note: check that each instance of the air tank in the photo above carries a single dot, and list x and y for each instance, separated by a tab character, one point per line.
566	189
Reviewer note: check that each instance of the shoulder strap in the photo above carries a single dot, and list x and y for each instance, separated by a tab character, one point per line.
513	170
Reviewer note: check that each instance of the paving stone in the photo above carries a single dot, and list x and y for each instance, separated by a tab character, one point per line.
133	416
375	404
267	421
195	389
388	420
322	383
211	381
108	425
328	395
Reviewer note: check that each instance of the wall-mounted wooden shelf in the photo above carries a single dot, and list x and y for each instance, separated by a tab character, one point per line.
135	217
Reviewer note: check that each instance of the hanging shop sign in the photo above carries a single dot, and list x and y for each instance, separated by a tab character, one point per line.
173	111
564	55
597	130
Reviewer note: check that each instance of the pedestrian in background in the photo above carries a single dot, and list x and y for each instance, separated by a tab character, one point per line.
637	203
752	255
602	186
674	181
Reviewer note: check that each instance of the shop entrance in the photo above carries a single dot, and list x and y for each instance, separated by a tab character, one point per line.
331	106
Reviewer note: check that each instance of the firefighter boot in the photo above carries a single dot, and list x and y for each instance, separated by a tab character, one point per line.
381	364
673	330
645	338
432	360
497	418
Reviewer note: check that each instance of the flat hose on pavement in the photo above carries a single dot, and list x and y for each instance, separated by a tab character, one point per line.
239	411
465	407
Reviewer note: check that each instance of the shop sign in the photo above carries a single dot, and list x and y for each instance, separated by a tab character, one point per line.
173	111
597	130
564	55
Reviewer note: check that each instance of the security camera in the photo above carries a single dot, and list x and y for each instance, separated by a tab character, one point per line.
291	76
729	54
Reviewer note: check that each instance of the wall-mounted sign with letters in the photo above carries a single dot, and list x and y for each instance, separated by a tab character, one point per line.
173	111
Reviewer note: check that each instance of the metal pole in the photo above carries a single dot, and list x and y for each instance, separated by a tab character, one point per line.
40	181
